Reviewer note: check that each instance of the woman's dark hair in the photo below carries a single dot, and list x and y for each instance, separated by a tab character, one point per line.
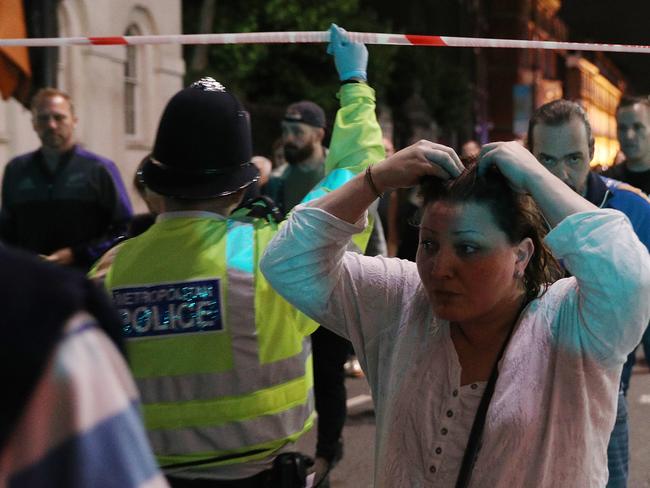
516	214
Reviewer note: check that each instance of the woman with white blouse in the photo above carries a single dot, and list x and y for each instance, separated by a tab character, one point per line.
486	369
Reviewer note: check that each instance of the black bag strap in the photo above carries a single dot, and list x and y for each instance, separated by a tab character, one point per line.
476	434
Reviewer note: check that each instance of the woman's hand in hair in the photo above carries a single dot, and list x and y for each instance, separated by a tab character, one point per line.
514	161
424	158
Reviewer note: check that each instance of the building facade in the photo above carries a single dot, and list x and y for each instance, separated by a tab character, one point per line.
520	80
599	95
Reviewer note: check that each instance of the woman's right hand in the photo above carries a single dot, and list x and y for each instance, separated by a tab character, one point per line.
514	161
424	158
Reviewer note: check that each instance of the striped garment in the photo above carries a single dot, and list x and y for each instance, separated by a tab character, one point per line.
82	425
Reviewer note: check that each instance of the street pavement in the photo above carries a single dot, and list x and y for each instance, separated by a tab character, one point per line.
355	470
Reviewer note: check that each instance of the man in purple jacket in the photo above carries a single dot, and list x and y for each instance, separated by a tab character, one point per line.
61	201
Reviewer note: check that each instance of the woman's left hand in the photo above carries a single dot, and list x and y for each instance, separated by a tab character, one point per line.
514	161
525	174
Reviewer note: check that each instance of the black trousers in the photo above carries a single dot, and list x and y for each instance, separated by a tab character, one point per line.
330	351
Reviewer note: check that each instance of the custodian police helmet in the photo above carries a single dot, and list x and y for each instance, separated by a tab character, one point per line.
203	145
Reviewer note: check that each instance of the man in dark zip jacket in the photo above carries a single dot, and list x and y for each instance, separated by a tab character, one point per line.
61	201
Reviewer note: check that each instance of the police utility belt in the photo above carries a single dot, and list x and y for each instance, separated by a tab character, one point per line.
289	471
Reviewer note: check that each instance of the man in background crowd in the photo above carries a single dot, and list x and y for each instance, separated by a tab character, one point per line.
470	149
303	130
633	125
61	201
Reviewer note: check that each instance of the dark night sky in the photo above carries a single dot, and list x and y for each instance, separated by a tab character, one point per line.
614	21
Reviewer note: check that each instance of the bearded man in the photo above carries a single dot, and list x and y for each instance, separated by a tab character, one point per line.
303	130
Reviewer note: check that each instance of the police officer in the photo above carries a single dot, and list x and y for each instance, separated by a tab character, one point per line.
220	359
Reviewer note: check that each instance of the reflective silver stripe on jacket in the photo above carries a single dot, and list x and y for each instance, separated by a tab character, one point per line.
237	382
233	435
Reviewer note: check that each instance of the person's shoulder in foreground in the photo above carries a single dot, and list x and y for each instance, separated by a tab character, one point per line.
72	416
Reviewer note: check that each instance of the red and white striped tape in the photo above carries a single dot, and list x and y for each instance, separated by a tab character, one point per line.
321	37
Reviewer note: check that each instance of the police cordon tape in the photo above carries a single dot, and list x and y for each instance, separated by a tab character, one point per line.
306	37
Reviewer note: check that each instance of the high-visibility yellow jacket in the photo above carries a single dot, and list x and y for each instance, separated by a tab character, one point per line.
221	360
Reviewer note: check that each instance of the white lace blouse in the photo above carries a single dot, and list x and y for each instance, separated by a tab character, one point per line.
554	404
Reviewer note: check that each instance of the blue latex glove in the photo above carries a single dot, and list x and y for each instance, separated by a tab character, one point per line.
350	58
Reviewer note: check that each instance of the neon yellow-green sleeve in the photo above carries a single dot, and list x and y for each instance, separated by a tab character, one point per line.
356	138
356	143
